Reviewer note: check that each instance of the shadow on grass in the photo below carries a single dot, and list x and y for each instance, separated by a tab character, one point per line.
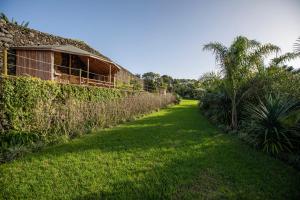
217	171
175	154
173	124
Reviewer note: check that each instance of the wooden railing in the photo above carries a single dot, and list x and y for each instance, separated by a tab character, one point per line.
74	75
72	79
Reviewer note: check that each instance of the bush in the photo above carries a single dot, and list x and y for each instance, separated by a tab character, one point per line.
273	124
283	81
216	106
136	85
76	117
20	95
178	98
33	110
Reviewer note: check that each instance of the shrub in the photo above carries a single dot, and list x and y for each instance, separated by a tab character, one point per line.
273	124
76	117
34	111
136	85
216	106
178	98
20	96
283	81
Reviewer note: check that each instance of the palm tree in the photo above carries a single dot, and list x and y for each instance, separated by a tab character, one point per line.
237	63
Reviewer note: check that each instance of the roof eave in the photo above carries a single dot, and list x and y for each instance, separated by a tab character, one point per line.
69	52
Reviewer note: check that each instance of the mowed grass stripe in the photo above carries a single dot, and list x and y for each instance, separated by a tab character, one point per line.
171	154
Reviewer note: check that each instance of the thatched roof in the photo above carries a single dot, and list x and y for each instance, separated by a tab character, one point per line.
70	49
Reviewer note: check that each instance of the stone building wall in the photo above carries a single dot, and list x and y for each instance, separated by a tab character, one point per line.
125	76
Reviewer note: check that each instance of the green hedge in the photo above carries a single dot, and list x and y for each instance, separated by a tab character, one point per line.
34	113
20	95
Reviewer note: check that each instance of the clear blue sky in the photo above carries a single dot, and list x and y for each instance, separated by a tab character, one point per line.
164	36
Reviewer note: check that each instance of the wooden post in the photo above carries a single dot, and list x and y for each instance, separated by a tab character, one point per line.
114	80
70	64
5	61
109	75
88	70
52	66
80	76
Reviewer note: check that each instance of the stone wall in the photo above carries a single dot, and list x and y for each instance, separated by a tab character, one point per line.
13	35
125	76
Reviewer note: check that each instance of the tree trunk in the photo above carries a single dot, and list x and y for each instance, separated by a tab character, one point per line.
233	113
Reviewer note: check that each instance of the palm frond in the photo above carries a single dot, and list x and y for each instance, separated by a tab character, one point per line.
241	43
266	49
297	46
256	57
218	49
284	58
254	44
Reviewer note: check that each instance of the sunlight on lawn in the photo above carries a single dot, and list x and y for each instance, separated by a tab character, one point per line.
162	155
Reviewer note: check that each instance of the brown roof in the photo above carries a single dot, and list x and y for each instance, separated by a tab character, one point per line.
70	49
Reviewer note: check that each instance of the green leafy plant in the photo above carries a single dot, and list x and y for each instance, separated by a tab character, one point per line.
273	124
152	81
216	106
136	85
34	110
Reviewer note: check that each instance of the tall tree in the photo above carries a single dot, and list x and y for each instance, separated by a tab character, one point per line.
168	81
237	63
151	81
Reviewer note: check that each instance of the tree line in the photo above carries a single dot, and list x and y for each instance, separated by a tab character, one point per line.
185	88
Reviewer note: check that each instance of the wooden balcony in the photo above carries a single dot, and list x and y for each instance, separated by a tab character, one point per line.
79	80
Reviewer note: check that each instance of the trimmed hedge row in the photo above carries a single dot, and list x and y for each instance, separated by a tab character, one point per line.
35	112
20	95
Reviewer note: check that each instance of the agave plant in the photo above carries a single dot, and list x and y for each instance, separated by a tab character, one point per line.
273	124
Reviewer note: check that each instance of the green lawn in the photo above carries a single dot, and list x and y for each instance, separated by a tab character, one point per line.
171	154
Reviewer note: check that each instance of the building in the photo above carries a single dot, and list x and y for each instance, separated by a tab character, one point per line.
36	45
64	64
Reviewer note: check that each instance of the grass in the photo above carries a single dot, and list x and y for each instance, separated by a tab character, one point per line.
171	154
